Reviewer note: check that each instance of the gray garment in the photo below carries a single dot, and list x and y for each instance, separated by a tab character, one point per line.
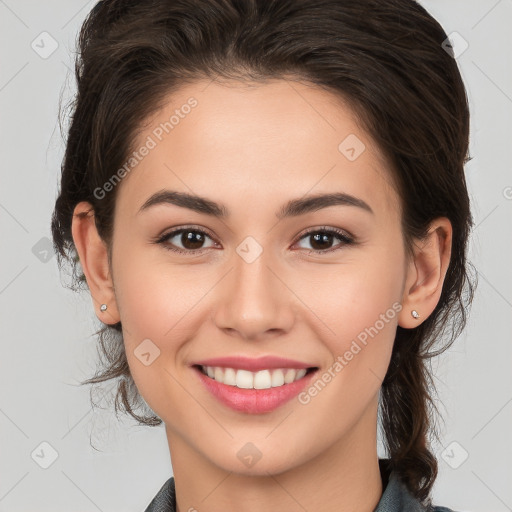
395	498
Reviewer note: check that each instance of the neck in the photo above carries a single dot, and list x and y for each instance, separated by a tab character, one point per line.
343	477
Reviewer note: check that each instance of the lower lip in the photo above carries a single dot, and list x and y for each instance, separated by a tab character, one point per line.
253	401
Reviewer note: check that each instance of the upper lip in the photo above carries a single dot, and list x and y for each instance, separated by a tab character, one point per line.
253	364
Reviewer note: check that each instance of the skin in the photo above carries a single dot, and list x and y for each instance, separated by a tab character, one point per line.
253	148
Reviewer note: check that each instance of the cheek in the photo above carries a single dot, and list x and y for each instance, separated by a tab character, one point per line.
153	295
363	316
160	303
357	295
360	304
154	315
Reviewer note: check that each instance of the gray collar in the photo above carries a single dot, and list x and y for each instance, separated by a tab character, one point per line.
395	498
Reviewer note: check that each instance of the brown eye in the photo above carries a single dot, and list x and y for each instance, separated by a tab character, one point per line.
191	240
321	240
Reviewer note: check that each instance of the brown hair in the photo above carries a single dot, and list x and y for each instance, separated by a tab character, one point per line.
385	58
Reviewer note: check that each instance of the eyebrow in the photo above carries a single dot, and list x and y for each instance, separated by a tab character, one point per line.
292	208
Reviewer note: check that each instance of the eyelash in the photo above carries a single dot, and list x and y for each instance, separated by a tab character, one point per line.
341	235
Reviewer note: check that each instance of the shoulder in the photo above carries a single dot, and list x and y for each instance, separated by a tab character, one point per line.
165	500
397	498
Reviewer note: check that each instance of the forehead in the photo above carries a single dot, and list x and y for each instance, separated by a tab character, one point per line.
258	141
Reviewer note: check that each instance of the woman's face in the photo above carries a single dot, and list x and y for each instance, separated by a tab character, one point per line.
248	283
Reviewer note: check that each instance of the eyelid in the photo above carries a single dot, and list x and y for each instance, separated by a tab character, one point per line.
161	239
346	238
327	229
187	227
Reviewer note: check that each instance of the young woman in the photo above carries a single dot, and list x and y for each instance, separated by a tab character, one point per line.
267	202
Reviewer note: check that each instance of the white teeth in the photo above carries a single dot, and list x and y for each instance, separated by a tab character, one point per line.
244	379
262	379
300	373
229	377
218	374
289	376
277	379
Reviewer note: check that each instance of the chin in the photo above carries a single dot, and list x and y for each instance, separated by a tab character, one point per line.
249	461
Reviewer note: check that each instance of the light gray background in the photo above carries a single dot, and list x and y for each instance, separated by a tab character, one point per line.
47	338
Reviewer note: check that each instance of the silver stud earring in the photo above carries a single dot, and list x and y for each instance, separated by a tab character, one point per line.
415	314
103	307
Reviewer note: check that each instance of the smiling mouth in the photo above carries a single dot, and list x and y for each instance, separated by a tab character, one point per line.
262	379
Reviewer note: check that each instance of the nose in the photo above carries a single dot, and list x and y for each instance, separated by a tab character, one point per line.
254	302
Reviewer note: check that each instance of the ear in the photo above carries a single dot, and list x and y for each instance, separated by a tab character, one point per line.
426	272
93	255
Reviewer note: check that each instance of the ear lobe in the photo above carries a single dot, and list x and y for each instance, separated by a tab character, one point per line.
426	273
93	255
